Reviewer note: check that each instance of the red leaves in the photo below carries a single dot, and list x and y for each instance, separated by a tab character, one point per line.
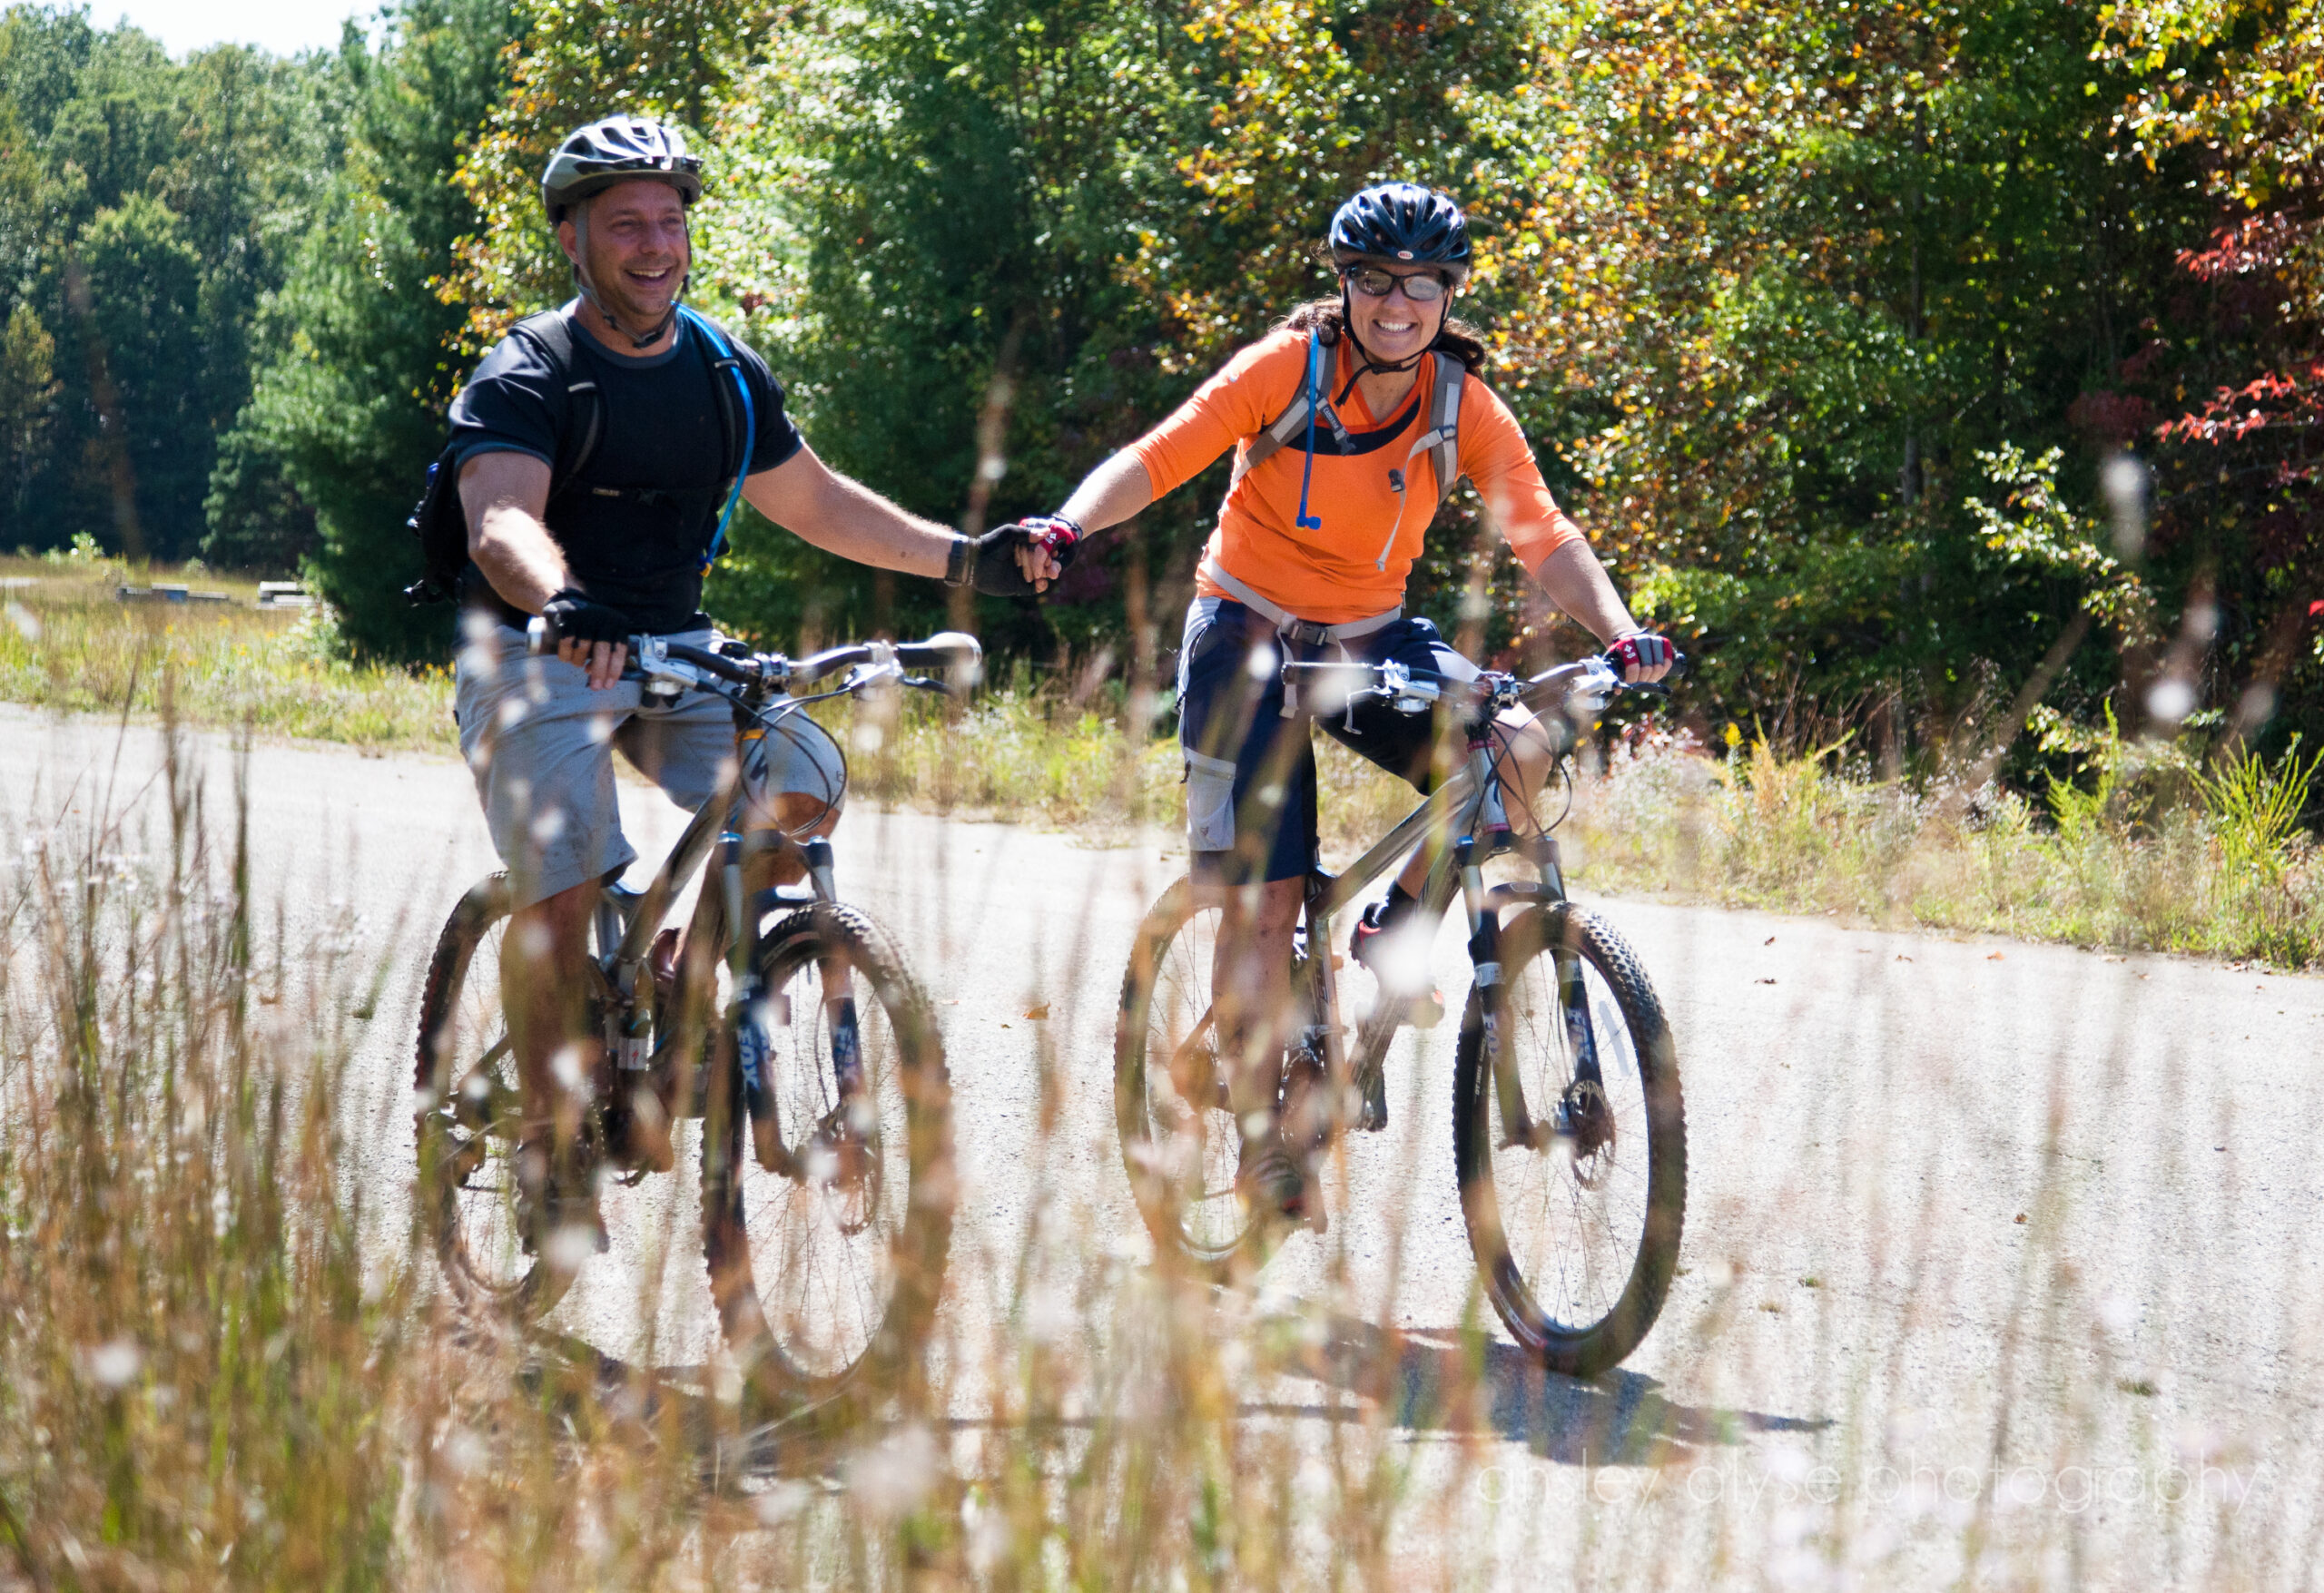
2291	398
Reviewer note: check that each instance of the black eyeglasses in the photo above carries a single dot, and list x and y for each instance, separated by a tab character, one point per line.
1378	282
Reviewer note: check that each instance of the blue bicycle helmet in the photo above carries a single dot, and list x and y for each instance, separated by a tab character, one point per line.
1401	222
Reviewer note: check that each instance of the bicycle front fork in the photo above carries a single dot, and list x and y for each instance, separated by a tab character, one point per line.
753	1009
1483	908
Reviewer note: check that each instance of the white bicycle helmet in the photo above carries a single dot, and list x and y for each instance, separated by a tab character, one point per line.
619	149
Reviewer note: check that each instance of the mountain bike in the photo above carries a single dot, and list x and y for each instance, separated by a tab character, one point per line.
785	1020
1569	1129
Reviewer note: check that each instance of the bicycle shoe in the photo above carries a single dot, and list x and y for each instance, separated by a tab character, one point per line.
1423	1008
1267	1178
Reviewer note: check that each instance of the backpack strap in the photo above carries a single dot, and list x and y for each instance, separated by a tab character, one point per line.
1287	425
738	439
1443	437
1441	442
551	333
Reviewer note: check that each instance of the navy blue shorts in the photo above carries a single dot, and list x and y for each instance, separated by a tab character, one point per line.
1250	772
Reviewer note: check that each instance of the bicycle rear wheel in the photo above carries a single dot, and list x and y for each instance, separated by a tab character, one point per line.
827	1271
468	1113
1574	1192
1179	1139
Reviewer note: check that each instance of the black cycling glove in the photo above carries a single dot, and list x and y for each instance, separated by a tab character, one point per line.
990	560
571	613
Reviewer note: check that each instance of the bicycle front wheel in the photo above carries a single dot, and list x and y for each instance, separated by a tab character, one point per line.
468	1110
1573	1176
827	1267
1178	1135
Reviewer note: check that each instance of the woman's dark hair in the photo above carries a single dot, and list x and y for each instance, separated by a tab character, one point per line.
1456	337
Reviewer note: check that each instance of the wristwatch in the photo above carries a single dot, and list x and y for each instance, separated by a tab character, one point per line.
961	564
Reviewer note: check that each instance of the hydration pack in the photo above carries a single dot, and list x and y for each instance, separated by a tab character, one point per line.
440	521
1441	441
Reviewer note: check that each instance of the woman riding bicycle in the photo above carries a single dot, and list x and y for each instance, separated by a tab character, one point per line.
1351	421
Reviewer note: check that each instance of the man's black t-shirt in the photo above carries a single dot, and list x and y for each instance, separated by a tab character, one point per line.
637	522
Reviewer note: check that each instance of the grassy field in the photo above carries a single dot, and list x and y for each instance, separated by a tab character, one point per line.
2162	857
2151	852
69	644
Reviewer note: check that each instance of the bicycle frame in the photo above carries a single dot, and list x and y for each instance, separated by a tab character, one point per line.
1448	820
628	920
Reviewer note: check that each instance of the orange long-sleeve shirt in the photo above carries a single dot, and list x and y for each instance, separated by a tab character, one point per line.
1331	575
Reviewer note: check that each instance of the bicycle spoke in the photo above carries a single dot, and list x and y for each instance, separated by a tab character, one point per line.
1570	1209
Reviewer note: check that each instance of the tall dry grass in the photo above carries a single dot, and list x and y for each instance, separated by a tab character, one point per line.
229	1363
2157	854
224	1369
2215	864
2163	856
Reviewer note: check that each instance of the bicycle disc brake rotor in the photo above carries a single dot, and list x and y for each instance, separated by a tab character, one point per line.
1194	1073
841	1158
1588	1121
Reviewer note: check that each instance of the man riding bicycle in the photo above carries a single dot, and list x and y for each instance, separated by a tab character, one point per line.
1351	421
600	450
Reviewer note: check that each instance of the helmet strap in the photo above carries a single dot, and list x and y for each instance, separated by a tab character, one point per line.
588	291
1365	365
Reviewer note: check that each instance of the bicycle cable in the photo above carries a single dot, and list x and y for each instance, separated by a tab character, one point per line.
830	795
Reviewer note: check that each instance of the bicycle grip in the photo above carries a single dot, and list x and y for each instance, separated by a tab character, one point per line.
950	650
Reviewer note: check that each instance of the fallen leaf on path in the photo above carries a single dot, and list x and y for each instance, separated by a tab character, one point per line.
1994	957
2021	1216
1902	957
1763	981
1768	941
1038	1013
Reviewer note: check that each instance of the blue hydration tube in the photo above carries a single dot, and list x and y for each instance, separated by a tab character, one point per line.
1315	379
751	432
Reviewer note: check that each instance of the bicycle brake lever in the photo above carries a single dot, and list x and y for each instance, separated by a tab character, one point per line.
1652	688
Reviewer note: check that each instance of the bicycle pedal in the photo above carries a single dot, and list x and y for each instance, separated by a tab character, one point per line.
1372	1116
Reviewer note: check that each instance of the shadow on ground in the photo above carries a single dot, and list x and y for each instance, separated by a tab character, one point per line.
1424	1380
1427	1381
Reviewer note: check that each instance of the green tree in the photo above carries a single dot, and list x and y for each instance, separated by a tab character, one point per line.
2240	385
116	160
135	281
352	399
28	389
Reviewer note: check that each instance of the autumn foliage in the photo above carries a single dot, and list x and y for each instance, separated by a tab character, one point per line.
1824	319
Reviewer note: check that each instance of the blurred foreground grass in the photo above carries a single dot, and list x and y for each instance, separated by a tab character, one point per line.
230	1362
2157	854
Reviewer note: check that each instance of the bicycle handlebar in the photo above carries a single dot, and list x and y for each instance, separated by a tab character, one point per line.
1391	682
946	650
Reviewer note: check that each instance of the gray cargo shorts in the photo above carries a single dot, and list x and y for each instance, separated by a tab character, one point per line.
540	743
